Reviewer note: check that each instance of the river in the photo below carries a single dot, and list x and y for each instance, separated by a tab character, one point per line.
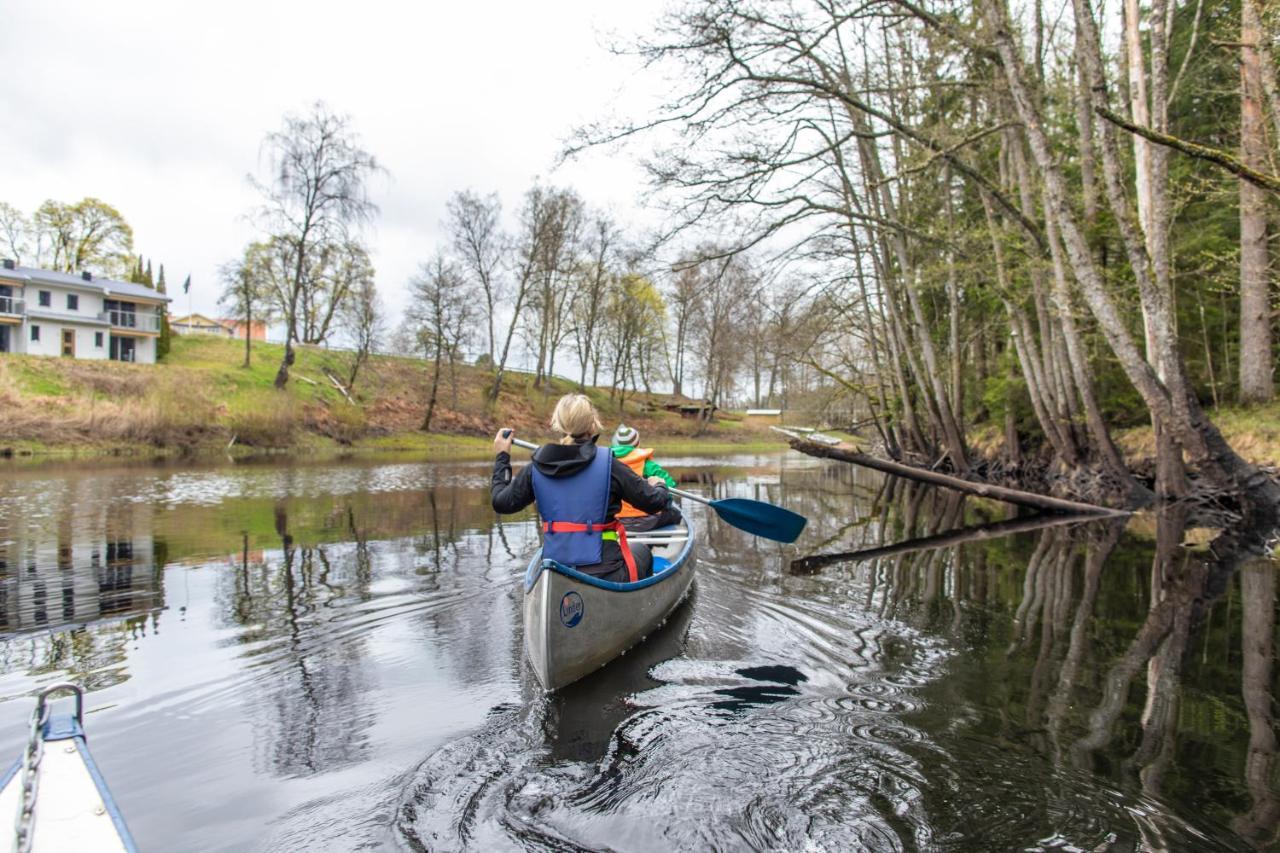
326	655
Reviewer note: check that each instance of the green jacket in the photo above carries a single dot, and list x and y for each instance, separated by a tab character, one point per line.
651	468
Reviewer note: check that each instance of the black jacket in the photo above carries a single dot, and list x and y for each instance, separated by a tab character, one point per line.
512	494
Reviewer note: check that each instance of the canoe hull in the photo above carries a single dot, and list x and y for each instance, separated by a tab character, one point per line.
573	625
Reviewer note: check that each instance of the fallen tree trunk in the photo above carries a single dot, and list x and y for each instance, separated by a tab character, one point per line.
848	453
994	530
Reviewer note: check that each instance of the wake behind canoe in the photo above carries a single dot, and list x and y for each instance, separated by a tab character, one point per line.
574	623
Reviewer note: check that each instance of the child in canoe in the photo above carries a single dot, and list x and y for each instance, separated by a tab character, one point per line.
626	449
579	489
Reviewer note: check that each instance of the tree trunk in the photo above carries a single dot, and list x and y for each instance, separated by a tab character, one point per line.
848	453
435	387
1255	304
282	375
506	346
1176	406
248	327
1079	363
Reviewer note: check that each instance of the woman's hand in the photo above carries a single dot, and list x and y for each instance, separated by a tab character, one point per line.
657	481
502	441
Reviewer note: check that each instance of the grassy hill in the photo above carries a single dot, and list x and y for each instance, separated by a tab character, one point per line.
201	398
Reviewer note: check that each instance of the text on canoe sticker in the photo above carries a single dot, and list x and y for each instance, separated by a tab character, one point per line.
571	608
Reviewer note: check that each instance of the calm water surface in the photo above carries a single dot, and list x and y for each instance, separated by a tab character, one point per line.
327	656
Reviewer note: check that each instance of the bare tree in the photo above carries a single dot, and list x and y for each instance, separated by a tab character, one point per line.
593	280
527	258
340	270
364	320
478	243
315	194
551	302
441	316
683	299
245	291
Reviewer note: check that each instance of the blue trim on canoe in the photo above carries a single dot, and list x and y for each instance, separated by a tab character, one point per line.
61	727
64	727
660	573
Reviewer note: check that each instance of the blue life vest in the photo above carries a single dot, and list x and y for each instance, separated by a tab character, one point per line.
579	501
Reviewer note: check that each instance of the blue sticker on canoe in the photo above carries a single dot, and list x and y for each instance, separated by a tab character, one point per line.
571	608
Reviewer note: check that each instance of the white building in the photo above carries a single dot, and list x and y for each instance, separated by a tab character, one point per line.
78	316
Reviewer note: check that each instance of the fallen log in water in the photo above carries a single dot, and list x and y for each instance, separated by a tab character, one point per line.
994	530
846	452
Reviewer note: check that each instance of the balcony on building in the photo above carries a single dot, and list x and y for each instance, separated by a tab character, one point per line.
124	317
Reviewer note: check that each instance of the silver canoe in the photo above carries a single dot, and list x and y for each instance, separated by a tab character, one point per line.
574	623
67	805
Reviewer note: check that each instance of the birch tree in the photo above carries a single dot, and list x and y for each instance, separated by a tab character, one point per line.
315	197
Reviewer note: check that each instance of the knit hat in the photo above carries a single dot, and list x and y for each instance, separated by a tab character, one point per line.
625	435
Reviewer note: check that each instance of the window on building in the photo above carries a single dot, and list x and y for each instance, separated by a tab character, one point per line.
46	299
73	302
35	333
97	339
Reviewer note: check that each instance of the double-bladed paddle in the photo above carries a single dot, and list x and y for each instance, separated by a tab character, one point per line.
755	517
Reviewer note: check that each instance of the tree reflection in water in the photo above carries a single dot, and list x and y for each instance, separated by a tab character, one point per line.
308	717
1087	692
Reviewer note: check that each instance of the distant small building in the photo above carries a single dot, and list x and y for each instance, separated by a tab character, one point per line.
199	324
257	331
222	327
44	312
764	416
691	408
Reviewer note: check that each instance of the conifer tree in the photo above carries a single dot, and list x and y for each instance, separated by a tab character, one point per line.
166	335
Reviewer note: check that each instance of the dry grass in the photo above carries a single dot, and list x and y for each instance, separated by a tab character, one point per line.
202	397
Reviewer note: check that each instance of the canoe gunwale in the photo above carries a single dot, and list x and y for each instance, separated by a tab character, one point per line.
537	565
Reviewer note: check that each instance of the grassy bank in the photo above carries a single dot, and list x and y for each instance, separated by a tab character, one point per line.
202	399
1253	432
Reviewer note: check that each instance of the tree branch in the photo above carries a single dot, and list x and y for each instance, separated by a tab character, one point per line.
1216	156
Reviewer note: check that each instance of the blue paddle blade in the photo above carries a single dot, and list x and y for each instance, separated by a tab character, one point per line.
761	519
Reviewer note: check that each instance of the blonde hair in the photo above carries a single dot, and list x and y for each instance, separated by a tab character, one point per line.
575	418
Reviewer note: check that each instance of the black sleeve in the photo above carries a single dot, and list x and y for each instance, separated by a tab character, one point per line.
510	494
636	490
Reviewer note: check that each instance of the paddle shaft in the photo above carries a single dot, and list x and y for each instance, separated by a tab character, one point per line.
691	496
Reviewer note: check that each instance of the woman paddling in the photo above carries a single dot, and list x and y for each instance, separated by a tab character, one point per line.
579	490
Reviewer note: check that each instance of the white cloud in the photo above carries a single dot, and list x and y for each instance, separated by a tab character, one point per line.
159	108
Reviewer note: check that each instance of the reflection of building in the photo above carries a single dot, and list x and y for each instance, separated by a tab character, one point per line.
49	583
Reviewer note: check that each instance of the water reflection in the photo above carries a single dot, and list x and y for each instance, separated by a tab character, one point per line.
340	666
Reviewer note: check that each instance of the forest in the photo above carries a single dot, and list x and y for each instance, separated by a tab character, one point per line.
1053	216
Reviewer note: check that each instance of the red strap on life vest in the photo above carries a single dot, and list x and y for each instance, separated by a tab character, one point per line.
633	574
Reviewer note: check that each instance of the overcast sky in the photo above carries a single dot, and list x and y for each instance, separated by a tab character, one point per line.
160	107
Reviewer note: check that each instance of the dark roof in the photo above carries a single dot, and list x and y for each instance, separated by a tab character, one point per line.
107	286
